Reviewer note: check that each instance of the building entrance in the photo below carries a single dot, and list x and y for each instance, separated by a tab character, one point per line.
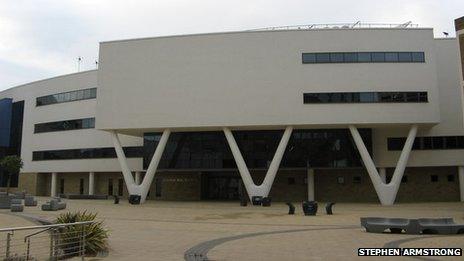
221	187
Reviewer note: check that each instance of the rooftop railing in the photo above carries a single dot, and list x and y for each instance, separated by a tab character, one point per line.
338	26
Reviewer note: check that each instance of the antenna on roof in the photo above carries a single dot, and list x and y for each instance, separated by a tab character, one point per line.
96	64
79	60
355	24
446	34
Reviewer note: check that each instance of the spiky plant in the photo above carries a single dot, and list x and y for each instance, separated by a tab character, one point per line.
96	235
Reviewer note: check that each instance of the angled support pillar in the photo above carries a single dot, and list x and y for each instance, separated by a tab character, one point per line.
383	175
385	192
265	187
133	188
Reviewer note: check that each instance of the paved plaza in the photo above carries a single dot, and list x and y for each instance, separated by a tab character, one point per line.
160	230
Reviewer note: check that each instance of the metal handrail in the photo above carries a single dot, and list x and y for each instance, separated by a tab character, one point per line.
72	245
358	24
45	226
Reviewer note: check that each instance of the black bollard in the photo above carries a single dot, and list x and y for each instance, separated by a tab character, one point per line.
328	208
291	208
309	208
116	200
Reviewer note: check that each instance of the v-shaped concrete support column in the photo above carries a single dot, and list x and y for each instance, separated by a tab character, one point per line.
265	187
144	187
385	192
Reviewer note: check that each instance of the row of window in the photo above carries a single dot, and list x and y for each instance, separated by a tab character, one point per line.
88	153
404	179
364	97
428	143
331	148
364	57
87	123
67	97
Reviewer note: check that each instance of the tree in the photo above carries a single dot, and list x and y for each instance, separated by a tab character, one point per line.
12	164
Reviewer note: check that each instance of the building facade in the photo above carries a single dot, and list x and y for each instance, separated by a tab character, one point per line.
331	114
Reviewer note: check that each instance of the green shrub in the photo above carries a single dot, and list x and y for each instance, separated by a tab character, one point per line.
96	238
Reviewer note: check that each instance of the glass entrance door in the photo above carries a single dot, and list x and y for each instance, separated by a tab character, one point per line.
222	188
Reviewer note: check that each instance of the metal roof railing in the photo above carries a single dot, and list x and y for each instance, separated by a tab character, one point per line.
356	25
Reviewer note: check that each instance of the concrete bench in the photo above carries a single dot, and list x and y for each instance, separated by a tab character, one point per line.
440	226
5	201
54	205
411	226
30	201
17	205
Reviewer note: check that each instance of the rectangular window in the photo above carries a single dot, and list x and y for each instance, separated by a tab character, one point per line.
291	181
405	57
120	187
451	178
110	187
61	186
391	57
364	57
309	58
67	97
336	58
158	187
434	178
365	97
322	57
428	143
437	143
378	57
418	57
395	143
77	124
81	186
350	57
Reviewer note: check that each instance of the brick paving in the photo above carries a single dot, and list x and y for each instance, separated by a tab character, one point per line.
160	230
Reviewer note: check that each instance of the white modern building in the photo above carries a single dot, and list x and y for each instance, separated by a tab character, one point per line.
320	113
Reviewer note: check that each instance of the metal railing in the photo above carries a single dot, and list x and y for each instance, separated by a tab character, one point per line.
338	26
47	242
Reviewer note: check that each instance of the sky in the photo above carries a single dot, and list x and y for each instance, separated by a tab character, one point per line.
43	38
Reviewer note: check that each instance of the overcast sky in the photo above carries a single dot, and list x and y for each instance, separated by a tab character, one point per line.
43	38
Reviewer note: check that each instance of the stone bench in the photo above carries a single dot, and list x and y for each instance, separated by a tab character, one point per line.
54	205
411	226
16	205
5	201
30	201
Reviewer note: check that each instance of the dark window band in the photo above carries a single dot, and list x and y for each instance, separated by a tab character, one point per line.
87	123
88	153
364	57
364	97
78	95
428	143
